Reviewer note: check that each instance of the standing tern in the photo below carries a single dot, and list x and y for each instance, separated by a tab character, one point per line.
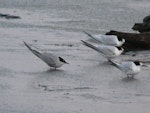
49	58
130	68
107	50
107	39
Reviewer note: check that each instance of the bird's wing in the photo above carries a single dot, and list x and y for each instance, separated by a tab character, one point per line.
34	51
127	70
114	63
96	37
108	50
88	34
109	39
91	46
127	67
47	58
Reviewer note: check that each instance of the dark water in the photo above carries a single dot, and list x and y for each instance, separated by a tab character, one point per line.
87	84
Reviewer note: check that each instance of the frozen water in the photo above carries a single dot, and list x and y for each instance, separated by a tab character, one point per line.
88	84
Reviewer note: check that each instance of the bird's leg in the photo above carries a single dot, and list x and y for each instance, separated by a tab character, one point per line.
132	76
108	60
128	76
55	68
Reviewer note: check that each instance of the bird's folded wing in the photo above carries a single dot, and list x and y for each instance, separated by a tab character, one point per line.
93	37
127	69
109	52
91	46
49	58
46	57
34	51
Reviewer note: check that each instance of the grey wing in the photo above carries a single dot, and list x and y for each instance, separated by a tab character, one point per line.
117	65
126	68
110	40
91	46
95	37
49	58
34	51
108	51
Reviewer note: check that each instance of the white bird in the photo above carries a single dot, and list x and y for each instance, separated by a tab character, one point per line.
107	50
107	39
49	58
130	68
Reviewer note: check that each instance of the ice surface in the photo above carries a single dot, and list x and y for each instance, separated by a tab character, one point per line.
88	84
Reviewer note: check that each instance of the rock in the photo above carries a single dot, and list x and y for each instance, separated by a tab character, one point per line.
134	41
12	17
7	16
146	19
141	27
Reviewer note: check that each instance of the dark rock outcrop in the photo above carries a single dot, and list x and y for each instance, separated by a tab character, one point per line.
143	27
134	41
146	19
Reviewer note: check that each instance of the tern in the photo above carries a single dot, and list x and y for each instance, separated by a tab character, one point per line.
112	40
130	68
49	58
108	51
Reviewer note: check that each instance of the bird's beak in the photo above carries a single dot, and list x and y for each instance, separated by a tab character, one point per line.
66	63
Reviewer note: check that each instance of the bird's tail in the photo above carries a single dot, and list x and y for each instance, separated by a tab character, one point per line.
90	45
92	36
113	63
35	52
88	34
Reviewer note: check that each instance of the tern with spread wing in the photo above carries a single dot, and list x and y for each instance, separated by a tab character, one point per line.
108	51
112	40
49	58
